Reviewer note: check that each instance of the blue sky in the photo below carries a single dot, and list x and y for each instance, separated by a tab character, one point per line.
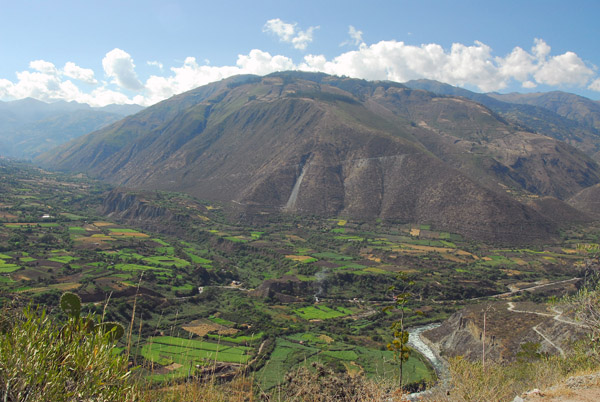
103	52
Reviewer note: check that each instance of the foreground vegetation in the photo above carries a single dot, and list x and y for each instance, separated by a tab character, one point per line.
44	358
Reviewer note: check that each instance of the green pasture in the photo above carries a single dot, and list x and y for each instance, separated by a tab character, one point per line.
166	261
8	268
289	354
161	242
236	239
349	238
321	312
166	250
239	340
121	230
184	288
63	259
221	321
165	350
195	258
352	266
327	255
137	267
284	357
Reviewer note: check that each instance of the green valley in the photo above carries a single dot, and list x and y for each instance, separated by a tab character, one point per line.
267	296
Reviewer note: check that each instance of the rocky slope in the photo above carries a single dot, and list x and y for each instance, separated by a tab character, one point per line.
507	327
587	200
566	117
316	144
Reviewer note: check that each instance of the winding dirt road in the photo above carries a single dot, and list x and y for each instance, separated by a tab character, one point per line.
557	316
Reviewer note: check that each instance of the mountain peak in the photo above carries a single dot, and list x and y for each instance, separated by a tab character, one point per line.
335	146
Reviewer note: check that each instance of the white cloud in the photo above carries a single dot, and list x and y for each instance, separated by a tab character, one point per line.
472	65
82	74
118	64
540	50
396	61
519	64
288	33
564	69
261	63
155	64
190	75
594	86
355	37
284	30
43	66
462	65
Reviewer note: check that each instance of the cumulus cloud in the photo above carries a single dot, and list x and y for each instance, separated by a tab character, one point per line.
118	64
44	67
462	65
594	86
289	33
189	75
472	65
86	75
155	64
563	69
46	82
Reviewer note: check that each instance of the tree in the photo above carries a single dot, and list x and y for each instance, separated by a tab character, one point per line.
399	344
586	302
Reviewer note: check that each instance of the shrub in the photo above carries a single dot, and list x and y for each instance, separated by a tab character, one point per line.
42	360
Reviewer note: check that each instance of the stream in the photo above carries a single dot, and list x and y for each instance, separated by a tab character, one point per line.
440	366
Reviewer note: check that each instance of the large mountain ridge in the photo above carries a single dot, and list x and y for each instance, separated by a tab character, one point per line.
29	127
334	146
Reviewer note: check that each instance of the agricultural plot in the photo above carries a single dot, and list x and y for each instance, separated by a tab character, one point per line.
249	340
205	326
303	349
321	312
189	353
304	259
6	268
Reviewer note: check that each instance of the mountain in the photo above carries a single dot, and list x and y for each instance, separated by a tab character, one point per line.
568	105
566	117
29	126
316	144
587	200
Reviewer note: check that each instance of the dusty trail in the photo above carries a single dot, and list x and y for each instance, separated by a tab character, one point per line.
557	317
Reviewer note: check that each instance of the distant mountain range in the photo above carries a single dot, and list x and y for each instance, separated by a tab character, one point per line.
564	116
311	143
29	127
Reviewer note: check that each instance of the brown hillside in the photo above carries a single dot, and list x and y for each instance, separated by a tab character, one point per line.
311	143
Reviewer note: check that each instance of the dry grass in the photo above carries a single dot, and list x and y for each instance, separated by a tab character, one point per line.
320	384
202	327
238	390
103	224
128	234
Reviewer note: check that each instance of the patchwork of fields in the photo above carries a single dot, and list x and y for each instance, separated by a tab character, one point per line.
288	292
